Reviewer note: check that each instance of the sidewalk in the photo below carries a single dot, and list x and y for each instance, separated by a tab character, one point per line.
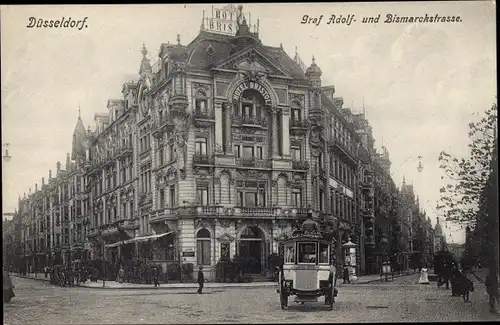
134	286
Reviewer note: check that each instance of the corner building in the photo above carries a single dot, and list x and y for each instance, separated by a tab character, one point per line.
221	152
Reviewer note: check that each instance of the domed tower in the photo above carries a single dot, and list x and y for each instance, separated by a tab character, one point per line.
178	55
79	138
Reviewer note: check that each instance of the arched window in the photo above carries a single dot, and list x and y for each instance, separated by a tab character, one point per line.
296	112
203	247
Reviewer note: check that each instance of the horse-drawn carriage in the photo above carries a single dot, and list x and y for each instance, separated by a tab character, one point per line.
308	270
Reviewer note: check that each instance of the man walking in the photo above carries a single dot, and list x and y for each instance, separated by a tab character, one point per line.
201	279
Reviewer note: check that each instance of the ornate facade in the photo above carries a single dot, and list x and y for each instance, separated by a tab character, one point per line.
217	149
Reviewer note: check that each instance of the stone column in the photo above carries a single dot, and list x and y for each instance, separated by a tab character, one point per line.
228	135
275	137
285	133
218	126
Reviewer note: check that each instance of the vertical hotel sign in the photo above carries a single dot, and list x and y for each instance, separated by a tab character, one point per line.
224	20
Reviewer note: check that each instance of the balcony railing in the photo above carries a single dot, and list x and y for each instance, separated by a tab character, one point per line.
253	162
298	124
249	120
345	150
161	124
202	159
204	115
125	150
300	165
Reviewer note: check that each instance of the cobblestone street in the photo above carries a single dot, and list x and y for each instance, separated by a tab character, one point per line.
402	300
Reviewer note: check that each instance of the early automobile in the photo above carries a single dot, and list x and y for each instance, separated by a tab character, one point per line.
308	270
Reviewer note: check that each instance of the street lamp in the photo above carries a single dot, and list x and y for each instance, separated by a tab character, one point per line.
6	156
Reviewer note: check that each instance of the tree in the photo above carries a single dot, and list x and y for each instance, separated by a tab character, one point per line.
462	200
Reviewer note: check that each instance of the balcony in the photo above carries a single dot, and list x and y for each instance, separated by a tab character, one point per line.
108	161
203	118
366	183
342	149
145	198
298	127
162	214
251	121
199	159
367	213
253	162
125	150
300	165
162	124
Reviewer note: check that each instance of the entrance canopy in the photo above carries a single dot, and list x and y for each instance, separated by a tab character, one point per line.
144	238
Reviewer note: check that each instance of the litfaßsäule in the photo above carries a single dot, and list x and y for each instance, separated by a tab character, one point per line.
395	19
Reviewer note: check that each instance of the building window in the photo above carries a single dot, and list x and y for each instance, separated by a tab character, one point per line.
131	210
248	152
237	151
225	252
296	116
172	152
202	196
201	146
203	247
240	198
259	153
201	105
296	155
160	157
162	199
297	197
250	199
172	196
321	196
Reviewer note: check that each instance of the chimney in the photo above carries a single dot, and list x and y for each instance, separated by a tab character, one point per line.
43	181
29	192
50	174
58	167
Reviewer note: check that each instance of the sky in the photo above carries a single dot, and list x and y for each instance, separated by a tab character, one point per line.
420	84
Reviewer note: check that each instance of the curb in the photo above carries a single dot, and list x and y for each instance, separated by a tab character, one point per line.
383	279
164	287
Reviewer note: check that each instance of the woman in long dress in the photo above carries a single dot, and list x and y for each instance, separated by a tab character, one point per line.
8	288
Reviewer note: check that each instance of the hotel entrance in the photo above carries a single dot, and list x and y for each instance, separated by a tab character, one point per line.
252	245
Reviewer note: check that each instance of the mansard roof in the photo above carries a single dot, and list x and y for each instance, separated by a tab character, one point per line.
224	47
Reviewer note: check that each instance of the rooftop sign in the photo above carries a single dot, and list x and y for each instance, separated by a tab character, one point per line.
224	20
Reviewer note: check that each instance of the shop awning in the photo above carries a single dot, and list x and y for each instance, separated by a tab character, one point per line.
144	238
151	237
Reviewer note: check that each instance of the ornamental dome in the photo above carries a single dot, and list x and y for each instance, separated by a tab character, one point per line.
313	69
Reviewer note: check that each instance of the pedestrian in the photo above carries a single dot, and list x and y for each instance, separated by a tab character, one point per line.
121	274
346	275
491	284
8	288
156	276
201	280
